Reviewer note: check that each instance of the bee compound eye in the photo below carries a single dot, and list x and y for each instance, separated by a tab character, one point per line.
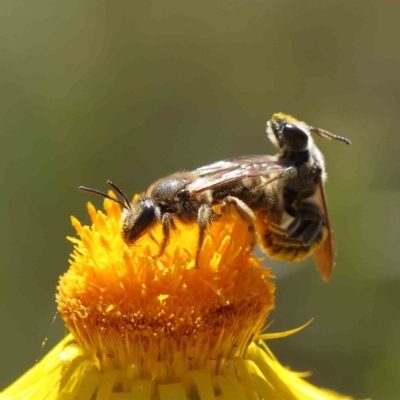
296	139
139	221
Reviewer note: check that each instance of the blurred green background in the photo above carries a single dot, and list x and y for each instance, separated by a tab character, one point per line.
134	90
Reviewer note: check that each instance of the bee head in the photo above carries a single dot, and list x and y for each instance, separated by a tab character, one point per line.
141	215
137	218
287	133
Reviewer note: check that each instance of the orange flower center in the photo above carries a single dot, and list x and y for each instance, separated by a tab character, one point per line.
129	309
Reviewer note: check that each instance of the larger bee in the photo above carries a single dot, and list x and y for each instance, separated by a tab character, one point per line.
281	197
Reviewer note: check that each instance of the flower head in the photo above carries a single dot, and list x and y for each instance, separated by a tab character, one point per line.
128	307
162	328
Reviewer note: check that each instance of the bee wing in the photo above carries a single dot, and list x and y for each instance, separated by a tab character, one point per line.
230	170
325	255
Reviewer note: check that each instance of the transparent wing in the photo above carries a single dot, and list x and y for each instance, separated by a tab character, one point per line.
325	255
220	173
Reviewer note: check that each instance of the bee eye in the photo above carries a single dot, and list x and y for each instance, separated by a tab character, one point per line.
296	139
139	221
147	216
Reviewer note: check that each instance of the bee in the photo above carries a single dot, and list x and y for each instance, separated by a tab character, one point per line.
281	198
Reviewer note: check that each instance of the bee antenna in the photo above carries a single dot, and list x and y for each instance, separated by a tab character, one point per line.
327	135
89	190
121	193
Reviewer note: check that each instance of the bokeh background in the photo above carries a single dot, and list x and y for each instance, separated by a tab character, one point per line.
134	90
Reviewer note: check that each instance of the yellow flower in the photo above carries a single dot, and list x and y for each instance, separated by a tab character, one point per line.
150	328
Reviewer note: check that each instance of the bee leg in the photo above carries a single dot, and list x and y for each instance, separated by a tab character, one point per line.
312	232
245	213
152	237
295	224
205	216
167	223
310	226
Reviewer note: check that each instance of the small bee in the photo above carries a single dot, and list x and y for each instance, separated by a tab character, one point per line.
281	197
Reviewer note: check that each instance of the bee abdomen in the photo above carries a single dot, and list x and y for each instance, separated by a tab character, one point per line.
285	248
